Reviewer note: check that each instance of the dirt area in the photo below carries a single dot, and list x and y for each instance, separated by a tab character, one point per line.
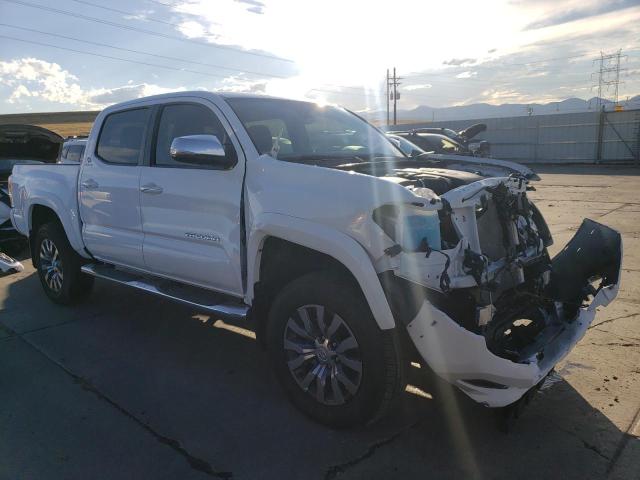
127	385
65	124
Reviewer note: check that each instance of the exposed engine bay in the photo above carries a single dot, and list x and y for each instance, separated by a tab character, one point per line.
481	257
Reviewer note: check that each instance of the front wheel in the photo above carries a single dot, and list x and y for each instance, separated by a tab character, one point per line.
59	266
333	361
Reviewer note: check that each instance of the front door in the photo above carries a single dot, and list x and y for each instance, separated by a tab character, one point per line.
191	213
110	191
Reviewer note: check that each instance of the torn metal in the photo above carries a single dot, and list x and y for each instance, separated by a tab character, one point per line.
483	302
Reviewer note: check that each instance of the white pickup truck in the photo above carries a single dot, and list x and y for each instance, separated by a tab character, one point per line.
345	252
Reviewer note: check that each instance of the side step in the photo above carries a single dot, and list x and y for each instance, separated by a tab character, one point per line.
200	298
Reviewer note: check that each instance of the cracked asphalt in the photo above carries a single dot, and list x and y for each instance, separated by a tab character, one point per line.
131	386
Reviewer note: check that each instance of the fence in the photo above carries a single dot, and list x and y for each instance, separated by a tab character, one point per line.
589	137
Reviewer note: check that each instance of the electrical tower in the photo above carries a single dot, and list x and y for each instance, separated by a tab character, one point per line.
609	75
393	94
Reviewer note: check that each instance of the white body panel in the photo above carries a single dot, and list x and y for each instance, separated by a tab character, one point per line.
110	211
192	229
53	186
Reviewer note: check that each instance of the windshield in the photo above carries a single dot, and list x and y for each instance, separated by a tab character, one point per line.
450	133
406	146
294	130
437	143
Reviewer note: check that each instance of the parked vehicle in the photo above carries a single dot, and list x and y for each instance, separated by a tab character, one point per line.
73	150
434	142
484	166
21	144
462	137
311	223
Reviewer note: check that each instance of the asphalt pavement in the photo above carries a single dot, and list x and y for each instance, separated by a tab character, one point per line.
127	385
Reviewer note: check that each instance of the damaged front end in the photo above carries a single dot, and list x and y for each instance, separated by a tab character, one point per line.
482	301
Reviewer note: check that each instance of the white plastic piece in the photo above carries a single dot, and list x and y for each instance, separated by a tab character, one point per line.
9	265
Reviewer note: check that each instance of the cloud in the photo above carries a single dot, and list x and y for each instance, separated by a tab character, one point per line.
254	6
20	91
240	85
110	96
193	29
580	12
496	94
36	79
467	74
417	87
32	77
459	61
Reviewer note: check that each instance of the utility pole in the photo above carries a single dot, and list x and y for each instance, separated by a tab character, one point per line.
387	83
392	83
609	75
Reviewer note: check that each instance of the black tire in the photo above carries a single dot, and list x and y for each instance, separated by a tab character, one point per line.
377	352
74	286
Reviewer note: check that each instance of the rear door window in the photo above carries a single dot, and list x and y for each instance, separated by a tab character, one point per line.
122	137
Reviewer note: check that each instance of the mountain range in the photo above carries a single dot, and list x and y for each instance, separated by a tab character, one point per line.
486	110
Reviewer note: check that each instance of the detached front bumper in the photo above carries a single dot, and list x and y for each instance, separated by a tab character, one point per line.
462	357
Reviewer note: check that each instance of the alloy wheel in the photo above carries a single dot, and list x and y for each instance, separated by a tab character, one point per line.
323	354
51	265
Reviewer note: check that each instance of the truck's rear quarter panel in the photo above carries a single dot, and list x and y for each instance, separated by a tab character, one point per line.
51	186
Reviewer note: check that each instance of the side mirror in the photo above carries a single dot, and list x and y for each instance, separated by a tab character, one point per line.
204	150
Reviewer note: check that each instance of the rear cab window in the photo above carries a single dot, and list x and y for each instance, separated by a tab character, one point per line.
74	154
122	137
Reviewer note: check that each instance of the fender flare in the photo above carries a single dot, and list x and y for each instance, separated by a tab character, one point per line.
325	240
71	230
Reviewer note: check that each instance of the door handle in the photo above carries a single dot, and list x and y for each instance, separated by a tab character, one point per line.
89	184
151	188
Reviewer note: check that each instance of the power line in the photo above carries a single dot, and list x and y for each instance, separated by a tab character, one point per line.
93	54
142	30
90	42
163	3
507	64
124	12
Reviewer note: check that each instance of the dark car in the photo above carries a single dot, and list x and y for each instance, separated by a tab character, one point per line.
488	167
434	142
21	144
463	137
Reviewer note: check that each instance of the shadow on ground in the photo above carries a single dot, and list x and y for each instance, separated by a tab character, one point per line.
157	373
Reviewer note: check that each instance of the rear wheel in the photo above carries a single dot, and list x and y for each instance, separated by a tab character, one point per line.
59	266
333	361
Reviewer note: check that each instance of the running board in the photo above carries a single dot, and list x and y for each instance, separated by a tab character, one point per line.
200	298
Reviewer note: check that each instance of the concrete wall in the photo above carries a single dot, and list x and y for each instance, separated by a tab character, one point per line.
559	138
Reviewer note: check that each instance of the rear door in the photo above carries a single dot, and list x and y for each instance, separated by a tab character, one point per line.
191	213
109	187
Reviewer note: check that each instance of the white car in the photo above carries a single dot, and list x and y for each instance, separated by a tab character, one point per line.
311	223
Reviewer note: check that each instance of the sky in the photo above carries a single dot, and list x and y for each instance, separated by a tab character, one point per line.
87	54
